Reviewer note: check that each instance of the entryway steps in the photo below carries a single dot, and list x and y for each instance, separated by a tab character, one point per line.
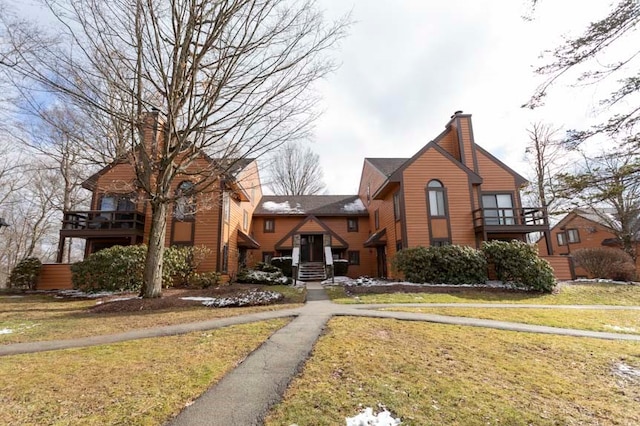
312	271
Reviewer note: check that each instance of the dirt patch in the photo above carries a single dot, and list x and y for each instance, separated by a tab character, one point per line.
171	298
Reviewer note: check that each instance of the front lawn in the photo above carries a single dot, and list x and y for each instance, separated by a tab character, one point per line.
142	382
432	374
566	294
612	321
42	317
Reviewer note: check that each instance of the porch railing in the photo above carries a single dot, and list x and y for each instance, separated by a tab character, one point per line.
529	216
100	219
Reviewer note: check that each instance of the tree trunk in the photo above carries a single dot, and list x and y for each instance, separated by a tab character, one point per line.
152	280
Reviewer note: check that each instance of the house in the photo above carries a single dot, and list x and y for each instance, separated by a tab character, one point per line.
582	228
452	191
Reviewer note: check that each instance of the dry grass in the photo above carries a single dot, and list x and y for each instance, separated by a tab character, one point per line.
567	294
430	374
36	318
617	321
142	382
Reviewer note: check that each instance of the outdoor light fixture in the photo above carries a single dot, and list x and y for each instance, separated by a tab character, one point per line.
3	223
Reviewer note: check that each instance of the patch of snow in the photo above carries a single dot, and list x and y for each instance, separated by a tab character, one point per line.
272	277
282	258
368	418
372	282
77	293
250	298
283	207
626	372
623	329
354	206
6	331
602	280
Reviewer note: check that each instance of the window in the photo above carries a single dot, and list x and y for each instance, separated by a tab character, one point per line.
352	224
368	193
245	220
376	219
117	202
185	205
573	236
437	205
225	258
440	243
396	206
498	209
269	225
354	257
253	195
398	245
226	206
562	239
267	256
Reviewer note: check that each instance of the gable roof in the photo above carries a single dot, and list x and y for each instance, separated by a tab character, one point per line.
337	241
386	166
304	205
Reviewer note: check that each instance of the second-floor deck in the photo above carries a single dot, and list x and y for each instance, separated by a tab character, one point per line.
94	223
511	220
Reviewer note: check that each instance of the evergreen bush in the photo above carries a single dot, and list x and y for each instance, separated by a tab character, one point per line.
25	274
450	264
517	263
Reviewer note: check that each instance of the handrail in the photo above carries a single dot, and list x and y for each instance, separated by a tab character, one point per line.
527	216
102	219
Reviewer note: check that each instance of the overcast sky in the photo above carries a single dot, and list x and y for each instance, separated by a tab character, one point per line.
406	66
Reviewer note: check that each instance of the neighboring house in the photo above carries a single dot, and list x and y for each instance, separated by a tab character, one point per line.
452	191
581	228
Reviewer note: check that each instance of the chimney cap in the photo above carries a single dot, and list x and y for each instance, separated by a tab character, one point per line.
456	113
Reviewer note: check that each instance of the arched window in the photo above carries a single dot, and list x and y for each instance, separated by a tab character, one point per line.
437	201
185	205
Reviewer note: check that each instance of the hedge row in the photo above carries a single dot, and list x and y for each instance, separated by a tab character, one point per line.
515	262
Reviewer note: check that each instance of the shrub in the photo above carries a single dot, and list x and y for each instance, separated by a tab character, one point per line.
204	279
121	268
606	262
518	264
25	274
181	263
252	276
450	264
266	267
340	267
284	264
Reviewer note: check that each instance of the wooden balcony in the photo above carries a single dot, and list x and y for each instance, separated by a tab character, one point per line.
510	221
98	223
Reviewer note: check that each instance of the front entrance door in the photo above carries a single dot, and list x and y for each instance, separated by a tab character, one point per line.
382	261
311	248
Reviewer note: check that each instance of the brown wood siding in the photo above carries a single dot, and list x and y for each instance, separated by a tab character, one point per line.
55	276
433	165
449	142
312	227
268	240
439	228
463	125
561	267
355	241
494	177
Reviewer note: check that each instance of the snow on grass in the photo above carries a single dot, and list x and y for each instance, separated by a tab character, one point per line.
283	207
372	282
622	329
81	294
354	206
249	298
6	331
626	372
368	418
266	277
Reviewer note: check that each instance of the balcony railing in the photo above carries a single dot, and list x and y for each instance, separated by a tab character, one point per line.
503	219
95	220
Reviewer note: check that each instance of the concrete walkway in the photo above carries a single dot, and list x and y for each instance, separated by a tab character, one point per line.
245	395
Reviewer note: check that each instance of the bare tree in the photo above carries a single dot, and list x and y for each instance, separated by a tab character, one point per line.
605	50
231	79
545	153
295	170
